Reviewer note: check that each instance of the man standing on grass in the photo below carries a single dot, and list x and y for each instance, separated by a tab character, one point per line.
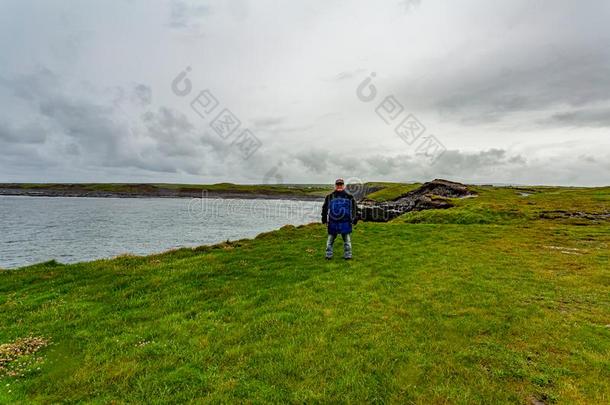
339	212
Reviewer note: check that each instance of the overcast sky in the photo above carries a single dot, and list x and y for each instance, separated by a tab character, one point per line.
504	91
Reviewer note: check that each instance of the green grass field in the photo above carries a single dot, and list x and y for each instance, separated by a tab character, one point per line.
390	190
504	298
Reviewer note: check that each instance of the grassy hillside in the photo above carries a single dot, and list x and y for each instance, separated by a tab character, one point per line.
390	191
504	298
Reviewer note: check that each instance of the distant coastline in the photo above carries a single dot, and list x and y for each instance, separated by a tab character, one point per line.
222	190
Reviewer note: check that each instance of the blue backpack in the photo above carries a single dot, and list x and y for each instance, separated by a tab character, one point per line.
339	216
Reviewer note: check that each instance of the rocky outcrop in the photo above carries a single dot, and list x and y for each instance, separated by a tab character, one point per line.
431	195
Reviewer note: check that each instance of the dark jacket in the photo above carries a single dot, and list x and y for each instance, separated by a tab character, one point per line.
351	219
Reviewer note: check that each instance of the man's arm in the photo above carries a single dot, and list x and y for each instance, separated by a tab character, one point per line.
325	210
354	211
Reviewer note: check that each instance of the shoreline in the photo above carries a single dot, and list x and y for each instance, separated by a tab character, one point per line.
161	193
206	247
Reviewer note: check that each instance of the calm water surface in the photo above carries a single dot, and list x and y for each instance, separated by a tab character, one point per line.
36	229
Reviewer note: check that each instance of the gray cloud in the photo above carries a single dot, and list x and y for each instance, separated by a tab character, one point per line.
93	127
31	134
348	74
185	14
499	87
102	133
314	160
276	126
591	117
167	126
490	166
410	5
30	86
267	122
142	94
404	167
454	161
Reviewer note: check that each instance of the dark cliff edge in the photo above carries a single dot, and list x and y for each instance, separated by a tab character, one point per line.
431	195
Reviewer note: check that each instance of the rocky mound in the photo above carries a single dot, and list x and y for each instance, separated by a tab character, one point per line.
431	195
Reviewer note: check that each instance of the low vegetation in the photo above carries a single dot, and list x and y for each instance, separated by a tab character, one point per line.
504	298
389	191
154	189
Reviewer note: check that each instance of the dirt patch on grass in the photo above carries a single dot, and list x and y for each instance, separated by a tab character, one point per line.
12	353
563	214
567	250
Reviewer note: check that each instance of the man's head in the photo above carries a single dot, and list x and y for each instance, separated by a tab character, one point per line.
339	184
